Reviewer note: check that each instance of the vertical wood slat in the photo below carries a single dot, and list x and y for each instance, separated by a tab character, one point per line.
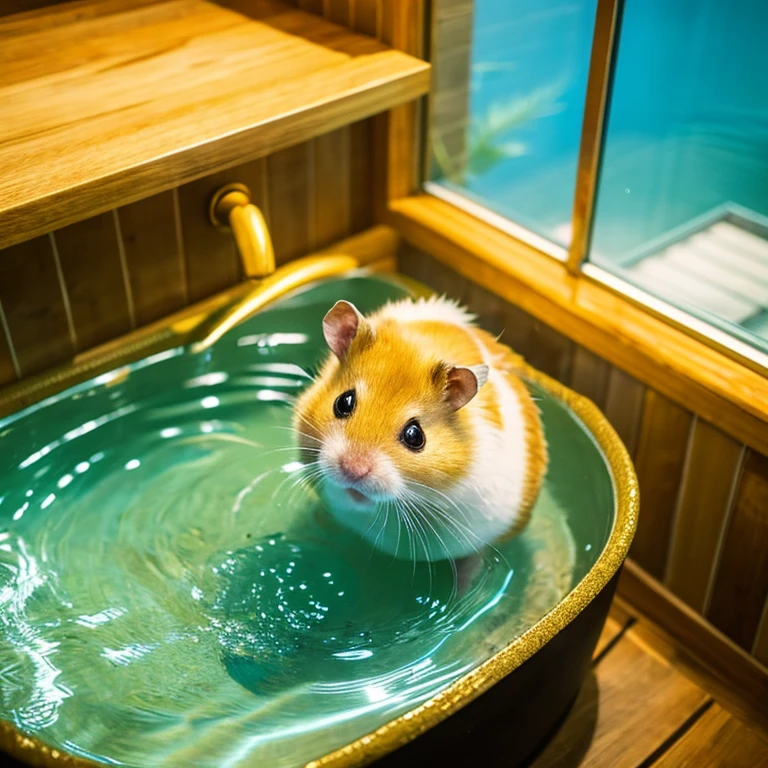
33	306
659	464
289	195
366	16
705	495
210	258
741	582
760	648
624	407
517	329
90	258
550	351
396	147
589	376
331	192
360	172
312	6
451	54
338	11
9	366
153	256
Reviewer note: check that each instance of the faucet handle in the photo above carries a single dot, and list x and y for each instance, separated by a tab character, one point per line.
231	209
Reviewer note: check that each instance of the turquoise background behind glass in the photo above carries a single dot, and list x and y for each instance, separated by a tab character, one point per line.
687	129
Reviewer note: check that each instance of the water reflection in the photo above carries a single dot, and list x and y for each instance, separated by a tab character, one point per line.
186	601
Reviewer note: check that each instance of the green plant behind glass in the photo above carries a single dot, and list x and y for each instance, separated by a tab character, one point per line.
489	134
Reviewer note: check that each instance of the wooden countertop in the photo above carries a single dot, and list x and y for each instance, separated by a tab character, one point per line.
105	102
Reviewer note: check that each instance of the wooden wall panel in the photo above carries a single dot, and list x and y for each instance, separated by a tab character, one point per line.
291	215
624	407
105	275
210	257
741	584
331	197
8	367
33	304
151	234
705	498
366	16
449	100
589	376
339	12
550	351
93	269
659	464
361	176
760	649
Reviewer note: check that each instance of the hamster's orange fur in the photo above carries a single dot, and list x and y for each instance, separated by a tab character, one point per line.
398	368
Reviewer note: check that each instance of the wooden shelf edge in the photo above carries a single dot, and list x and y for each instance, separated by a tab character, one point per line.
703	380
54	172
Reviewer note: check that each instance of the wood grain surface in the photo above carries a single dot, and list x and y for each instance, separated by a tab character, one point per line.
107	102
711	475
717	740
741	583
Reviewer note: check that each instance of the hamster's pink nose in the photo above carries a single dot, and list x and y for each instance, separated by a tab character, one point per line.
355	467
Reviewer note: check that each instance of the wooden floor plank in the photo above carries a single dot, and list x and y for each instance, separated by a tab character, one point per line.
717	740
612	629
629	706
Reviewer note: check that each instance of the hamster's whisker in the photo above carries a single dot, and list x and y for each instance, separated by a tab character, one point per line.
312	468
373	522
451	502
461	531
399	525
308	421
449	556
424	539
383	528
292	448
403	512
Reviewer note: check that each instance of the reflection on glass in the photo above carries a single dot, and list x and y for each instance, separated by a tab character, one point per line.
683	192
527	75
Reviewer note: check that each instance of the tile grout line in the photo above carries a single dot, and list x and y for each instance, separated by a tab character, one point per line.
124	268
64	292
180	244
9	340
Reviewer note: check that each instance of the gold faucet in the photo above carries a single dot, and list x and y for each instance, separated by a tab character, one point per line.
231	209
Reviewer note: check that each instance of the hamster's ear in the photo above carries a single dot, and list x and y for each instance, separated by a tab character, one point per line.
341	326
463	384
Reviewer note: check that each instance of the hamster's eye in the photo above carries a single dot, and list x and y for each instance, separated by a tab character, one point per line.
344	404
413	436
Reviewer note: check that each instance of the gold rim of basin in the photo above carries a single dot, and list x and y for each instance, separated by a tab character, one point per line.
408	726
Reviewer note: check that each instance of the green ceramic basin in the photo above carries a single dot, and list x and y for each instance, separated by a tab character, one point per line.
172	593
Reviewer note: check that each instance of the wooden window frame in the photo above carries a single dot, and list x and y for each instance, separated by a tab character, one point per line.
708	371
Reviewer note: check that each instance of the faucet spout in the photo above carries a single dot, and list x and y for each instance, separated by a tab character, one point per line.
231	209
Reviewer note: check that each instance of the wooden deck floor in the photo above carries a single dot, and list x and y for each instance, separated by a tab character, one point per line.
639	708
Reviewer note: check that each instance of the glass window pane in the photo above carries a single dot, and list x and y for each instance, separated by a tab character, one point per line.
683	193
512	142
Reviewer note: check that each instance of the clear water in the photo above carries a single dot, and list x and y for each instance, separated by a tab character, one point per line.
170	595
